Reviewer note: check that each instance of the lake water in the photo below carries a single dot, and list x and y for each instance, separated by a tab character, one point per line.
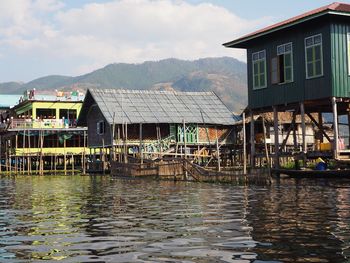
102	219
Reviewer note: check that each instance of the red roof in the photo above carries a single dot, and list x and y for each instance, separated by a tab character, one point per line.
335	7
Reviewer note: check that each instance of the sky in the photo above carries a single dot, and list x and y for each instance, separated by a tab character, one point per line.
74	37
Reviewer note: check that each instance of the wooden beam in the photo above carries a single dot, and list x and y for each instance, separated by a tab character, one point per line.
288	132
318	126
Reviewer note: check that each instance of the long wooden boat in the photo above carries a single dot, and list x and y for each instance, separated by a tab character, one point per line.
342	173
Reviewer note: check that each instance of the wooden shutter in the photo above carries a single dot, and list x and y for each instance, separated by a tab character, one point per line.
275	74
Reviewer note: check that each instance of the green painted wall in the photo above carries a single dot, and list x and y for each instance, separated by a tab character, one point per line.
300	89
340	71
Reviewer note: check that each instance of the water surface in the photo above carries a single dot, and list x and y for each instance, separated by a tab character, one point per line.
102	219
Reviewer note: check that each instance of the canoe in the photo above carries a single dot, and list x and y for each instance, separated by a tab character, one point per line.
345	173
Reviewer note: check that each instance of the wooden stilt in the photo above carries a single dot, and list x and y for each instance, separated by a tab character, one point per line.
244	146
275	122
72	164
335	128
218	149
64	156
84	154
320	123
252	140
0	153
184	137
140	147
266	149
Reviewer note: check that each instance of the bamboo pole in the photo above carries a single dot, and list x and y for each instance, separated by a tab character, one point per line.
72	164
266	149
140	147
103	156
184	136
16	157
217	149
0	153
64	156
84	154
303	130
335	128
244	146
55	163
126	143
275	124
252	140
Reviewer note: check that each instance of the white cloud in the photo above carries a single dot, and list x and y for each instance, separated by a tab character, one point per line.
120	31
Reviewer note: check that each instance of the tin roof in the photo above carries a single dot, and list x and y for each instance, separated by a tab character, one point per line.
334	8
143	106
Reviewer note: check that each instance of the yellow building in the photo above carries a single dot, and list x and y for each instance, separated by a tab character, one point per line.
44	129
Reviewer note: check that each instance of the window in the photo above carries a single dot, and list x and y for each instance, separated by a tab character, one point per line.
259	69
100	127
313	56
285	62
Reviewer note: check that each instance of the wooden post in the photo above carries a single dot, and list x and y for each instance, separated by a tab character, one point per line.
55	163
72	164
140	147
275	125
112	148
64	156
320	123
84	154
184	134
244	146
217	149
265	144
103	157
23	147
126	142
335	128
0	153
303	127
348	128
252	140
16	158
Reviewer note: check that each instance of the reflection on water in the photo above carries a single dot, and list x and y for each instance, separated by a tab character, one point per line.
101	219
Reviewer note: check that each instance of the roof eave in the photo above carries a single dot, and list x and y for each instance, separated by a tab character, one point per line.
240	42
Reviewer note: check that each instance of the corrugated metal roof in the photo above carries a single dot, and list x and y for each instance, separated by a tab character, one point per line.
334	7
141	106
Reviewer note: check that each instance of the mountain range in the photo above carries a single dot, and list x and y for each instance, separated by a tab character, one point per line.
225	76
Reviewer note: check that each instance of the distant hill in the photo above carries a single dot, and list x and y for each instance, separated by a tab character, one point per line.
225	76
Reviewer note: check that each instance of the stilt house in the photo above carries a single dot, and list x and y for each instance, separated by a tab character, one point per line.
40	133
301	65
156	123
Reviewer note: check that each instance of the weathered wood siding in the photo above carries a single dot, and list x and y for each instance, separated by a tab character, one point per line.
96	140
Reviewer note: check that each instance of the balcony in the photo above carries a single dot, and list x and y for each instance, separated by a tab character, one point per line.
40	123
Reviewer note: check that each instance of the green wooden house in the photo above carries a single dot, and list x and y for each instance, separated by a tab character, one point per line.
299	59
301	64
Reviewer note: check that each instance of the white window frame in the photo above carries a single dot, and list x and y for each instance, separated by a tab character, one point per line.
258	53
284	52
321	55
